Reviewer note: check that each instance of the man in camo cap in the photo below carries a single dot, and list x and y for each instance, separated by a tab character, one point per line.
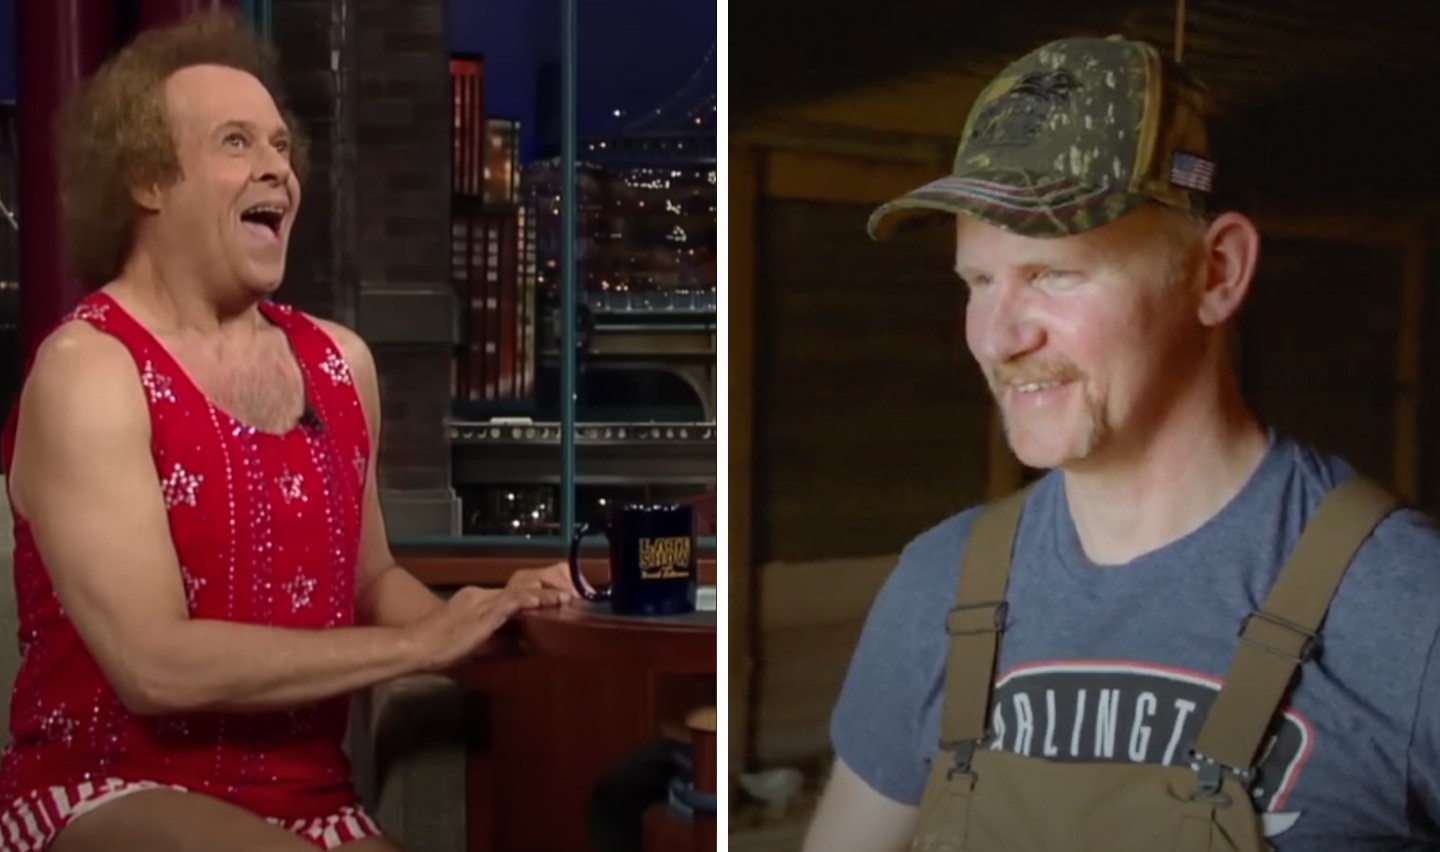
1103	272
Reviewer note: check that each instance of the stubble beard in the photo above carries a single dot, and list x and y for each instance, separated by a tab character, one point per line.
1093	430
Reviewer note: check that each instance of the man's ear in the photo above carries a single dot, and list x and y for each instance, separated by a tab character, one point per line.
147	198
1232	249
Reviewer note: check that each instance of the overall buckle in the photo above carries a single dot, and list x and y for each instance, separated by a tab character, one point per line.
1308	647
963	752
1210	775
967	619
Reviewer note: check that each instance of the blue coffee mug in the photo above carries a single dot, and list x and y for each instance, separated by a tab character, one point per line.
652	560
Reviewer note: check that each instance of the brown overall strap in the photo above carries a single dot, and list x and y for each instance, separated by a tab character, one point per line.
974	625
1282	634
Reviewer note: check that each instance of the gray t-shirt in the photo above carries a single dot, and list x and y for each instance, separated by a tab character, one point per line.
1121	663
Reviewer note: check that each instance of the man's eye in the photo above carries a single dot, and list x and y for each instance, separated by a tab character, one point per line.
236	140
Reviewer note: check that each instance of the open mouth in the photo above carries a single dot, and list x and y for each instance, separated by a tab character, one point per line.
1036	394
1036	387
264	220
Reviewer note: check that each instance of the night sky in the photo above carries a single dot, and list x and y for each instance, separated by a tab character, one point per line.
633	53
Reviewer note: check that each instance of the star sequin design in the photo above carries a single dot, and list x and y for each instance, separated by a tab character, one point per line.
181	487
292	486
156	384
57	724
90	313
336	368
300	589
193	585
359	462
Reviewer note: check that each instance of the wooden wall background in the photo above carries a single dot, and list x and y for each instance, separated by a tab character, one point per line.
871	425
863	421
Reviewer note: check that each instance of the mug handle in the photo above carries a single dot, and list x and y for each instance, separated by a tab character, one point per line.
576	578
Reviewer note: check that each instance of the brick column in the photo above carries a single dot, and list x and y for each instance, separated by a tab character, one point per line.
370	80
405	303
316	40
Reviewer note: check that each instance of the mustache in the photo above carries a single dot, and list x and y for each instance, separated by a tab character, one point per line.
1026	372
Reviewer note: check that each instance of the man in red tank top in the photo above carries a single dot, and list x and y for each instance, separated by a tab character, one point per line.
201	564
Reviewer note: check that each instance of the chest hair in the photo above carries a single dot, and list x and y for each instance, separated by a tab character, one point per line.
258	384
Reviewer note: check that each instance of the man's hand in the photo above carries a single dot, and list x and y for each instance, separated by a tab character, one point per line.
552	578
469	619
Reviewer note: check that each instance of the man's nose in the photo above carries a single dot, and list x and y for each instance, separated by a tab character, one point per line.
1008	327
273	166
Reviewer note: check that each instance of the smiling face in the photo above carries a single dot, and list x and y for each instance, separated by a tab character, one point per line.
234	205
1084	339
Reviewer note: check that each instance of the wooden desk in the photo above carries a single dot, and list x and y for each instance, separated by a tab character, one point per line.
590	632
587	689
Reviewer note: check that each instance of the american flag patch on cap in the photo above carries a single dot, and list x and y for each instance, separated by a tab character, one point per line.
1192	172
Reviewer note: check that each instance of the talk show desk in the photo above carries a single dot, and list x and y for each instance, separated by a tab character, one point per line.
559	698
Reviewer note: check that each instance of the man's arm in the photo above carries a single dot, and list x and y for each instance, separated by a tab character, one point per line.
852	817
84	478
881	726
385	593
1423	753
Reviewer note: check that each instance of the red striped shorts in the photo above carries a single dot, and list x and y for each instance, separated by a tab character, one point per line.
32	822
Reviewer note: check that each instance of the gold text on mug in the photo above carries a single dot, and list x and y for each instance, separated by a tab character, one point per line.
665	558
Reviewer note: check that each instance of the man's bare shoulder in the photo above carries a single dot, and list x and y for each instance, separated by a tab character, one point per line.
80	368
81	407
352	347
362	365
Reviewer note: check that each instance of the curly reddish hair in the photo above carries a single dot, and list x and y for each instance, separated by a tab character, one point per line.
114	134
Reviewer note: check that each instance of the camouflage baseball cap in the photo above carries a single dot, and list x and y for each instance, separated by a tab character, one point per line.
1073	136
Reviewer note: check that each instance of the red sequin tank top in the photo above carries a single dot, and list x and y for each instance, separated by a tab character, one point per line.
267	528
